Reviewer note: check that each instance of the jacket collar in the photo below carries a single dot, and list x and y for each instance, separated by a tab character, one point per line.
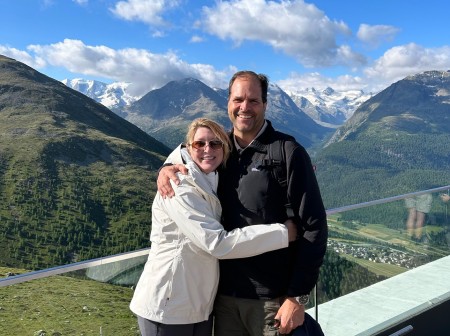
262	139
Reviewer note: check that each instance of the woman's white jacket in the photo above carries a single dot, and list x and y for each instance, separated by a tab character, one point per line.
179	281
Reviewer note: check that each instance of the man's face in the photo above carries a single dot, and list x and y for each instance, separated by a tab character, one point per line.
246	108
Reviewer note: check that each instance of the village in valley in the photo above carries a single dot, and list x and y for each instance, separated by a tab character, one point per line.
377	253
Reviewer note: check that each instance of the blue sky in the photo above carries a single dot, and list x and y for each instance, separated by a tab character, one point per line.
345	44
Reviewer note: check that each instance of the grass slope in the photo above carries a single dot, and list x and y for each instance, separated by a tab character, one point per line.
62	305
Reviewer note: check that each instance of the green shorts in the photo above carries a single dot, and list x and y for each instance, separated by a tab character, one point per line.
421	203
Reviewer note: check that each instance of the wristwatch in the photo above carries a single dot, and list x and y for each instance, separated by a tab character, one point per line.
302	299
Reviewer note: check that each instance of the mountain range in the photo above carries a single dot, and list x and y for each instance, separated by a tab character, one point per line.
114	96
178	102
328	107
392	142
165	113
77	179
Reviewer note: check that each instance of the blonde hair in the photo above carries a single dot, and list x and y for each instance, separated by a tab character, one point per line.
216	128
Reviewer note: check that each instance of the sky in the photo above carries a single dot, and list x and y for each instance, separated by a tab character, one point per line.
342	44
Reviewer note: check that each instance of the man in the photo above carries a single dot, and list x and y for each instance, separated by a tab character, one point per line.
264	295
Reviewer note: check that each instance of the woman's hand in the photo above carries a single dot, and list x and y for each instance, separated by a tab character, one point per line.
292	230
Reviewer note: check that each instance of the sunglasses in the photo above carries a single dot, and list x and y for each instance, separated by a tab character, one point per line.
213	144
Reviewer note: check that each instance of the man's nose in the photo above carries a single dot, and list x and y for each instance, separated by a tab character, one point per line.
244	105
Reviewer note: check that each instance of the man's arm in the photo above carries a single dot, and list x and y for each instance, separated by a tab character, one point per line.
310	216
166	173
305	198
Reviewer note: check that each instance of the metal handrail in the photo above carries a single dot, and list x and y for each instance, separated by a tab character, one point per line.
19	278
385	200
15	279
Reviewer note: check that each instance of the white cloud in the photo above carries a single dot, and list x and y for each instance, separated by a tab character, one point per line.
158	34
81	2
348	57
297	81
48	3
148	12
144	69
409	59
298	29
396	64
196	39
375	35
22	56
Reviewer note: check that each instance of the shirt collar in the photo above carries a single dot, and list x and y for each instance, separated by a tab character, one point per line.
239	148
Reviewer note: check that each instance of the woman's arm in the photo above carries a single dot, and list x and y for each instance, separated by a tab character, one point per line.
192	214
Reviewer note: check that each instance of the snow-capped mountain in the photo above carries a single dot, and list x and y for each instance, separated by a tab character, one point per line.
114	96
328	108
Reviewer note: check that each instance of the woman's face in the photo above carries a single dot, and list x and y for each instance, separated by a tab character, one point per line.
206	150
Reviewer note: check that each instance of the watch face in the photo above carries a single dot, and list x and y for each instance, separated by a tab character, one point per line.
303	299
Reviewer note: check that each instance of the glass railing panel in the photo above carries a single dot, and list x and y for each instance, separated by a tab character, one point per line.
375	241
86	301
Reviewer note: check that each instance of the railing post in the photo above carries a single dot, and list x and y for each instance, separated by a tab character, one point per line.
316	304
403	331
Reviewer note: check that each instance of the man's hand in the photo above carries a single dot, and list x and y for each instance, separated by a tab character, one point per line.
291	314
166	174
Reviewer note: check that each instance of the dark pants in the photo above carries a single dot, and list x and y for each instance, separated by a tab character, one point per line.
245	317
150	328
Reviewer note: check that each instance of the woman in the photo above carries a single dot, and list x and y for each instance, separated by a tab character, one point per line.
176	291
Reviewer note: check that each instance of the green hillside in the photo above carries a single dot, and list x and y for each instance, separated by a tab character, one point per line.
396	142
76	180
370	167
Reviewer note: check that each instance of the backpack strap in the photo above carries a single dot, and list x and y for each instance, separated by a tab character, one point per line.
277	159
